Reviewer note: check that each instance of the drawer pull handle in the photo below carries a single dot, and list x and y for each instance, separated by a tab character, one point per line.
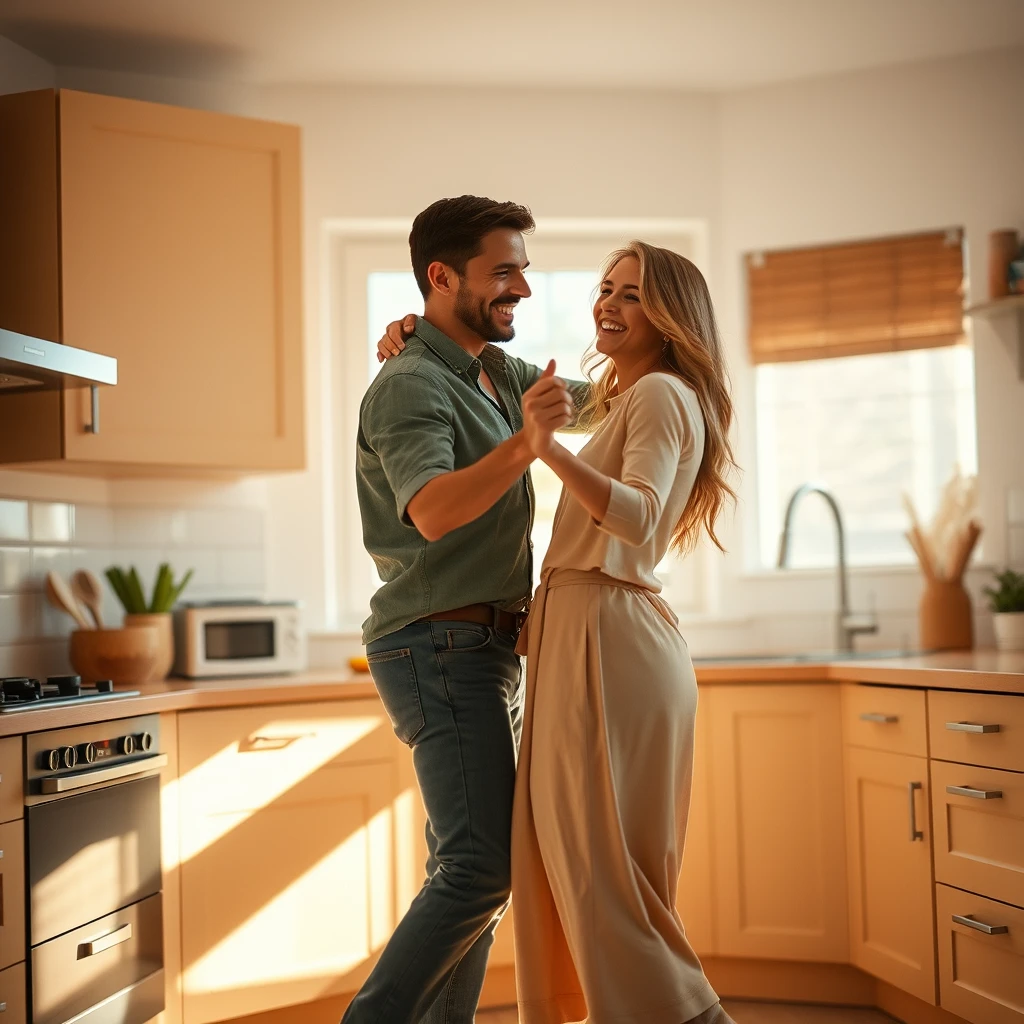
970	727
877	716
114	938
3	1007
976	794
915	833
980	926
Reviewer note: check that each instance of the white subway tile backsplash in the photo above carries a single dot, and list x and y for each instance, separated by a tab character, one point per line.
138	527
205	566
242	572
51	522
46	560
14	520
94	524
223	527
15	568
19	617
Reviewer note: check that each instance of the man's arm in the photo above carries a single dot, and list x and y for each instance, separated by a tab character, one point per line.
408	425
453	499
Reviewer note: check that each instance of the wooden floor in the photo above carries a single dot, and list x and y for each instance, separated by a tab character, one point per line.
751	1013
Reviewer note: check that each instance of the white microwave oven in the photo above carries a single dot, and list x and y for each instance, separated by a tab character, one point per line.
221	638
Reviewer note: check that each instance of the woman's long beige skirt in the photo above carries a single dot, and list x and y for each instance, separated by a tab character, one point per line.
602	797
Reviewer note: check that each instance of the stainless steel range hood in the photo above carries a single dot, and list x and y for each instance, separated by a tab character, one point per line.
33	364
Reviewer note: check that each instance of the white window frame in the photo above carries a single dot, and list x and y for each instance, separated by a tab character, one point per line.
350	249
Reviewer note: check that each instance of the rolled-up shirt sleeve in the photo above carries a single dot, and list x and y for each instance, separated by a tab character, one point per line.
659	435
408	423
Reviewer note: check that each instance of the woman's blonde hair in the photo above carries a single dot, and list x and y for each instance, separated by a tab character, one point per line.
674	296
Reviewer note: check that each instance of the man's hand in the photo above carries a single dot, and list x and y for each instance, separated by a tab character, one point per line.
393	341
547	407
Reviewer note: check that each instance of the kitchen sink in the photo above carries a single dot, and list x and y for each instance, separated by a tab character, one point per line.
804	657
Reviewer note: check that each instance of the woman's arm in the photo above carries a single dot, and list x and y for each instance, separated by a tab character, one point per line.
658	435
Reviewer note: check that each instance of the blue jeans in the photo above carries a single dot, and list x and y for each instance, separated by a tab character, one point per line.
454	693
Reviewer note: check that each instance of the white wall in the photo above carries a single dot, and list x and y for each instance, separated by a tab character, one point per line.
845	157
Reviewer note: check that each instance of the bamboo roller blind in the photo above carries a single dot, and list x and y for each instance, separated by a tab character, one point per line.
885	295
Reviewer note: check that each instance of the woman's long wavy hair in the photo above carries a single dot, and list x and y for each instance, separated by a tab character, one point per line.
674	296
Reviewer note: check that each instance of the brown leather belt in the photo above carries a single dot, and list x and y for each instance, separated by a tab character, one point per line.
484	614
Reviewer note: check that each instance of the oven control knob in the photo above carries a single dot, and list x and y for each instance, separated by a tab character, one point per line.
51	760
144	742
126	745
88	752
69	757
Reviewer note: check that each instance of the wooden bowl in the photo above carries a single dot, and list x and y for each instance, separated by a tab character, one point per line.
128	656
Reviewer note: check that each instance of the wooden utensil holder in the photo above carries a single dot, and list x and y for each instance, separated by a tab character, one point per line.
946	618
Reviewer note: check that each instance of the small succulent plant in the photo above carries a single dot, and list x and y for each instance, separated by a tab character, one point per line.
128	588
1009	597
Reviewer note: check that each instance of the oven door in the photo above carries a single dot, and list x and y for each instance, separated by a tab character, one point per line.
107	972
91	854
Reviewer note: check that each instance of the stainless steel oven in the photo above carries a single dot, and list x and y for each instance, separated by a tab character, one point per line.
95	923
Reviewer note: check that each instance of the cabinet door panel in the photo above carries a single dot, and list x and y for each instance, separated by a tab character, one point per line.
180	256
892	920
779	840
291	901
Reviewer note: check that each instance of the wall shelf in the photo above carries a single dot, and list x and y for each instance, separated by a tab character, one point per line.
997	309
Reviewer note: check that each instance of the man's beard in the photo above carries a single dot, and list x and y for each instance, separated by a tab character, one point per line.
479	318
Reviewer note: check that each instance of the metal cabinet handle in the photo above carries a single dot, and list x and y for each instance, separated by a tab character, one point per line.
915	833
877	716
970	727
976	794
93	426
980	926
114	938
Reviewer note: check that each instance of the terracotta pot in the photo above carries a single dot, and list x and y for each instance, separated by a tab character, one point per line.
161	621
946	621
126	656
1009	628
1002	251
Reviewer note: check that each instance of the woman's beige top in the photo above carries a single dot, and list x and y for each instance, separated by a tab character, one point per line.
651	444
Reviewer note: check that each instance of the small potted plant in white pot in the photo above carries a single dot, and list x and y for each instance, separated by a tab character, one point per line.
1007	602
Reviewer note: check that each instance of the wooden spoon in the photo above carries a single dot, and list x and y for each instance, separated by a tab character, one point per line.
59	595
87	590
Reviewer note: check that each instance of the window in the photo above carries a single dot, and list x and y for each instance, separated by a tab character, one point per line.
371	285
863	383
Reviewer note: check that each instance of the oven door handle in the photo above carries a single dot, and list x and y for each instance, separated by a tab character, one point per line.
110	773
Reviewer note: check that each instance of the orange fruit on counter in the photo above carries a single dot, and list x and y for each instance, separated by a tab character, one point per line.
359	663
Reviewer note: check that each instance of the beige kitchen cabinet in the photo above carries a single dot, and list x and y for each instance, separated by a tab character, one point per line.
297	826
13	995
892	923
12	793
695	898
12	893
777	822
169	239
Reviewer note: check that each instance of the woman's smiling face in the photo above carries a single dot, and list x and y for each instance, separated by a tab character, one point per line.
623	330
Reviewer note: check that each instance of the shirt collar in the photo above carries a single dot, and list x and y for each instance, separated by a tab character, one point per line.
452	355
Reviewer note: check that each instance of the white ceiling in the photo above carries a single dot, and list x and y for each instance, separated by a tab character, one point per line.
692	44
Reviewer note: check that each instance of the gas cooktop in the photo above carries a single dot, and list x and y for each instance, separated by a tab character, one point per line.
20	693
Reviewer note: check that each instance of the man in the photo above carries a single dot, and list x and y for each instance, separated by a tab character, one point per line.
447	506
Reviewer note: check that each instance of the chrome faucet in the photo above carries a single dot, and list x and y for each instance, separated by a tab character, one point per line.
848	625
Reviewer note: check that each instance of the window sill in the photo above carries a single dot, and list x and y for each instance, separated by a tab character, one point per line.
909	569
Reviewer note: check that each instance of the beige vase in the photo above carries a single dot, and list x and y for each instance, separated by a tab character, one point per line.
161	621
1009	627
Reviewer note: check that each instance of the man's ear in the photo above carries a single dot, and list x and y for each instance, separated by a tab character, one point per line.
442	278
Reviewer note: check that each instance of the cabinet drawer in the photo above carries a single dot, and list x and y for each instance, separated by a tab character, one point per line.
13	995
12	793
979	831
977	728
12	893
243	758
885	718
981	976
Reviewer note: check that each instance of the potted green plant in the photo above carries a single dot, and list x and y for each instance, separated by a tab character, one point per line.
1007	603
155	612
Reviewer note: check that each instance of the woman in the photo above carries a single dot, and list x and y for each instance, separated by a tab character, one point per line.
603	785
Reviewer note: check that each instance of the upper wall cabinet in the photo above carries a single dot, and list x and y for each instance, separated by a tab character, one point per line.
169	239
